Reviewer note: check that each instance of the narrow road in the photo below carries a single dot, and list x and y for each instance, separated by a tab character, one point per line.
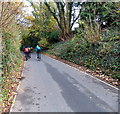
52	86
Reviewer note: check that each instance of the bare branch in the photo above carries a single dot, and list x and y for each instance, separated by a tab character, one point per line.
54	14
1	12
12	13
76	18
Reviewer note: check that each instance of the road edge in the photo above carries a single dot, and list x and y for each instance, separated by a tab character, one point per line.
13	102
95	77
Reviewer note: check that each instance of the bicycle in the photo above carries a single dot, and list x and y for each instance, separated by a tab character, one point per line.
38	50
38	56
26	56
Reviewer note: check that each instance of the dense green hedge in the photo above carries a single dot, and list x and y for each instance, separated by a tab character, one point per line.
103	54
11	61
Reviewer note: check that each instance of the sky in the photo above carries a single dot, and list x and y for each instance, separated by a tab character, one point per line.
28	9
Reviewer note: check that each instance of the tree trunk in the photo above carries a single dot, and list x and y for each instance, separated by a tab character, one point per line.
63	17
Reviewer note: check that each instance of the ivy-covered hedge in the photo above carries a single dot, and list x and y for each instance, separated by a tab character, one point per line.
11	62
103	54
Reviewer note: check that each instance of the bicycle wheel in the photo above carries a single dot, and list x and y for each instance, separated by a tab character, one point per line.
39	57
26	58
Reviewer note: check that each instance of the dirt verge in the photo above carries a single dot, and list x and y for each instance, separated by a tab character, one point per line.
12	87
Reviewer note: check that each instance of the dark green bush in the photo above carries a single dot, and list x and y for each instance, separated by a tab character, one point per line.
53	37
11	60
93	55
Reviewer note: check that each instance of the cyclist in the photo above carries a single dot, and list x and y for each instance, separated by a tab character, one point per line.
29	52
26	52
38	50
31	49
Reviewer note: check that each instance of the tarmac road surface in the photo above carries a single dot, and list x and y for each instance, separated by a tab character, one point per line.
52	86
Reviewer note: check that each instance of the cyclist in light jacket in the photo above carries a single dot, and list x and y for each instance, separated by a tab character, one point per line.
38	50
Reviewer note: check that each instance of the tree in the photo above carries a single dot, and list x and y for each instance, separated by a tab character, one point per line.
9	11
102	13
64	13
42	24
41	20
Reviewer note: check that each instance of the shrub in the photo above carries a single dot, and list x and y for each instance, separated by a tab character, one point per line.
93	55
43	42
53	37
11	60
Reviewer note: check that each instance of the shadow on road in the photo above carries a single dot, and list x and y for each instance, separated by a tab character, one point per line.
78	101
